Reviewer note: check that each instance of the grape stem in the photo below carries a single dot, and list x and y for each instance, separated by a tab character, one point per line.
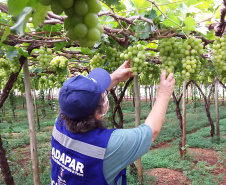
166	17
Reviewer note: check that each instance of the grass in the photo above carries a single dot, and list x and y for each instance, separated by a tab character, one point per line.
198	135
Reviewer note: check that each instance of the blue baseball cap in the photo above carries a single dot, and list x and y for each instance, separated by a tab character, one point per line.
79	95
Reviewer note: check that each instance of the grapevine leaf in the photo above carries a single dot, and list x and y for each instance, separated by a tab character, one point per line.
145	31
190	23
85	51
193	9
152	15
169	23
20	25
33	3
211	68
23	52
59	45
191	2
204	5
210	35
15	7
6	33
111	2
218	13
120	7
140	4
11	53
39	15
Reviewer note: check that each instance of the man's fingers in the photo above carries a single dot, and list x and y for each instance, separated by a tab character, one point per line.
163	75
170	77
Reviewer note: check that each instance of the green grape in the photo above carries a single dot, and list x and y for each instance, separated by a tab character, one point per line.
82	22
84	42
69	11
175	53
71	34
81	30
91	20
113	57
67	3
219	57
45	57
97	61
75	19
81	7
93	34
56	7
94	6
100	28
137	56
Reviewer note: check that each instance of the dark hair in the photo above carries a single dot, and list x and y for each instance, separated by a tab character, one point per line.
87	124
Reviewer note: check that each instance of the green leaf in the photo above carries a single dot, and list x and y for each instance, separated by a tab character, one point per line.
32	3
146	30
39	15
15	7
11	53
210	35
59	45
169	23
190	23
6	33
23	52
22	20
152	15
120	7
191	2
193	9
111	2
86	51
139	4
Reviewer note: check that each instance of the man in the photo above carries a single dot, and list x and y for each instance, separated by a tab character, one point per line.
86	153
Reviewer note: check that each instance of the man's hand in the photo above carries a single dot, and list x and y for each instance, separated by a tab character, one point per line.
166	85
121	74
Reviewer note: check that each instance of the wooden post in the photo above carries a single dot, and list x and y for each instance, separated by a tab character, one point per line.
36	109
184	118
153	95
217	108
137	121
31	121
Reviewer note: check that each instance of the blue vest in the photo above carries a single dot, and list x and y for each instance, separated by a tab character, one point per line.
77	159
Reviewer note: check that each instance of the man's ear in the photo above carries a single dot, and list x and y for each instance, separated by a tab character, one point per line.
98	116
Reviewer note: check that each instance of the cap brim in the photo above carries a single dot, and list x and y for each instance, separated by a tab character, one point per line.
102	77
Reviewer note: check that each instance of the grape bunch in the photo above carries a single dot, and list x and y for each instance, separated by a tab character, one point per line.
150	73
19	84
113	57
15	65
219	55
59	64
97	61
4	67
82	22
137	57
42	83
45	57
170	53
51	81
191	51
174	52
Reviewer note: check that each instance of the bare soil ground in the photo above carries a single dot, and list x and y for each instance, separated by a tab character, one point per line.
171	177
